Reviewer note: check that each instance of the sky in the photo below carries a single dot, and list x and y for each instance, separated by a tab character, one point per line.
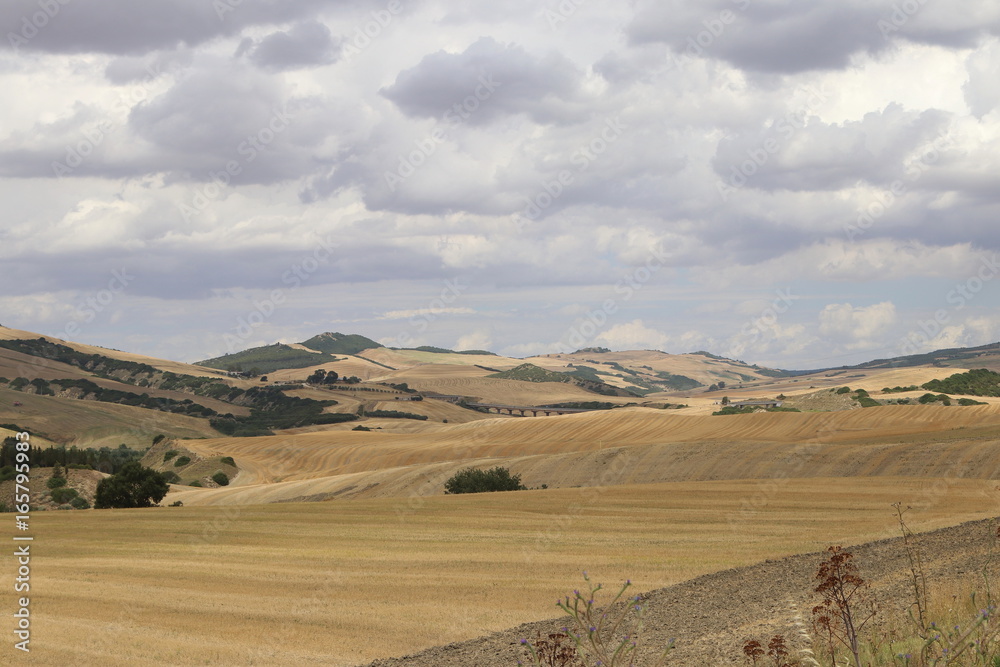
797	184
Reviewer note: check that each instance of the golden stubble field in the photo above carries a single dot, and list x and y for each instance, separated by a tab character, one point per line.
340	583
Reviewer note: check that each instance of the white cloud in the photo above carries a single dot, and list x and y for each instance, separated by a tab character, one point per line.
856	327
633	335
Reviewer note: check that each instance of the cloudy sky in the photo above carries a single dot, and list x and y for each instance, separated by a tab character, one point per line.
796	183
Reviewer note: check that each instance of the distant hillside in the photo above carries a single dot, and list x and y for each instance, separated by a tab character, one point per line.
532	373
269	358
984	356
266	359
338	343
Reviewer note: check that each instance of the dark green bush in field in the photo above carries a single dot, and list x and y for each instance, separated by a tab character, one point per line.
472	480
195	483
169	455
932	398
969	401
844	390
56	482
221	478
80	503
229	461
132	486
978	382
64	495
182	461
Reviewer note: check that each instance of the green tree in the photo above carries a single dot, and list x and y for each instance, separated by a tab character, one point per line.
132	486
471	480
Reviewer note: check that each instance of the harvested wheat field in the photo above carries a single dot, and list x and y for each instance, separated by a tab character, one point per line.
344	582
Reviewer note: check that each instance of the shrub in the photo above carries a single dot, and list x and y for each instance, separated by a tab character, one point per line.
182	461
80	503
195	483
132	486
598	635
472	480
221	478
56	482
360	428
868	402
158	438
844	390
171	477
63	495
169	455
932	398
969	401
229	461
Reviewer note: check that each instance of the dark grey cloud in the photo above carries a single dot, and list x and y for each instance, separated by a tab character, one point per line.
489	81
132	28
305	44
787	37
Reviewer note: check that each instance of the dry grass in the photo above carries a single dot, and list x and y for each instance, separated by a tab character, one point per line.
344	582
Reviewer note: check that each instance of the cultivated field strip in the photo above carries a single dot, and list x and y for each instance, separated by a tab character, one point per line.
342	583
641	445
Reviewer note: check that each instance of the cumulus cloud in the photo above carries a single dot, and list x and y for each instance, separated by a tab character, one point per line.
632	335
489	81
856	326
305	44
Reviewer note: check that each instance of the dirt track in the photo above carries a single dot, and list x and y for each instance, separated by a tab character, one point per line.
712	616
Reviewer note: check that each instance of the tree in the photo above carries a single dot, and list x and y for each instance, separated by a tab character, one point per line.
725	400
471	480
722	385
132	486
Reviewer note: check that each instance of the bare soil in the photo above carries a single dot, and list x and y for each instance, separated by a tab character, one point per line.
712	616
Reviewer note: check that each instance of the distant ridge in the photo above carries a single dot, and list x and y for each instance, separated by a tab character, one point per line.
269	358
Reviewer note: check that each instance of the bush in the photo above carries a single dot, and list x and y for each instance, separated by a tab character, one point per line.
221	478
360	428
182	461
171	477
158	439
844	390
56	482
80	503
932	398
472	480
169	455
229	461
868	402
969	401
195	483
132	486
63	495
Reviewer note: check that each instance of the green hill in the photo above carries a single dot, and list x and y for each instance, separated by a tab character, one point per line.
338	343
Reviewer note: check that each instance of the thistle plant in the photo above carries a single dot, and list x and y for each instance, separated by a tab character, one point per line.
606	636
